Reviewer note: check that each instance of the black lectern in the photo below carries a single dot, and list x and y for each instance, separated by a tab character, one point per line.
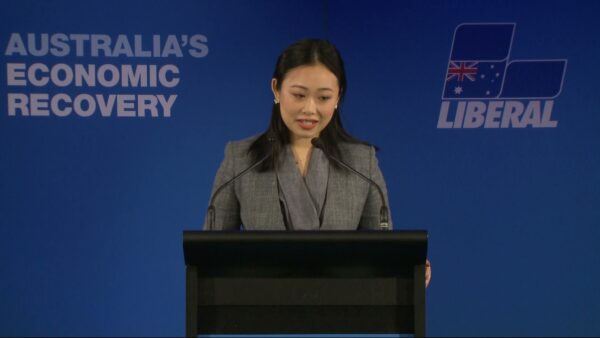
305	282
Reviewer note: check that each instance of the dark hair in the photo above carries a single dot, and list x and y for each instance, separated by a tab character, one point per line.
301	53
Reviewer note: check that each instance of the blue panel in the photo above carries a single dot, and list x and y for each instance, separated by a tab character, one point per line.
482	42
533	79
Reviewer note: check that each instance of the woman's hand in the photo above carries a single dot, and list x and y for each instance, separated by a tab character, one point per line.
427	272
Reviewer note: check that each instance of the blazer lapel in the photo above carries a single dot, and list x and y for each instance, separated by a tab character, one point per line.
342	212
261	200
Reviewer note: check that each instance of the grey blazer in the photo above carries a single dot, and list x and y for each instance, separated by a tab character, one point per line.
253	200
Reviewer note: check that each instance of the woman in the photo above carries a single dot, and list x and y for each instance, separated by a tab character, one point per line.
297	187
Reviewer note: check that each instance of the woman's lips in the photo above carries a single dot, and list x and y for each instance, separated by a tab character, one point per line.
307	124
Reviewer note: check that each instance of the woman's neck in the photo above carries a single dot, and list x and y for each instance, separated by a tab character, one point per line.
301	149
301	143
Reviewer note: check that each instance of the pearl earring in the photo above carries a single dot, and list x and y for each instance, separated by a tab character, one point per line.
275	101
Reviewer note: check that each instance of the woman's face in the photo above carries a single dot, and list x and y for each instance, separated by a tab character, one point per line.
307	99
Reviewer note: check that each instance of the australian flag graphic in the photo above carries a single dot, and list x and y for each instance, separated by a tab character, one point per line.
480	66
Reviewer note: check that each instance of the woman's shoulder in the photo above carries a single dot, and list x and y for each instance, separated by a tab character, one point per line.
358	155
239	147
358	150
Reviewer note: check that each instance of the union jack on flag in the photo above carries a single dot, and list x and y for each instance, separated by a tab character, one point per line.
460	70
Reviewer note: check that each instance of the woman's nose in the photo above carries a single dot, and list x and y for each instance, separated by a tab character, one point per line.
310	107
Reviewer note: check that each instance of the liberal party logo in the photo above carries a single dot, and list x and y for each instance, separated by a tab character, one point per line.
485	88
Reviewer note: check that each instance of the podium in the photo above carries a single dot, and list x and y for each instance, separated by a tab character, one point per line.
304	282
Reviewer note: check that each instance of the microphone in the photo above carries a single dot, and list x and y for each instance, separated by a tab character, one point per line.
383	212
211	206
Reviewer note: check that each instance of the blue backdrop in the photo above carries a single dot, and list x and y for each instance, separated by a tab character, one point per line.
92	208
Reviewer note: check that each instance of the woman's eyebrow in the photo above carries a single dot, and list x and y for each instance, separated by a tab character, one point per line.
306	88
